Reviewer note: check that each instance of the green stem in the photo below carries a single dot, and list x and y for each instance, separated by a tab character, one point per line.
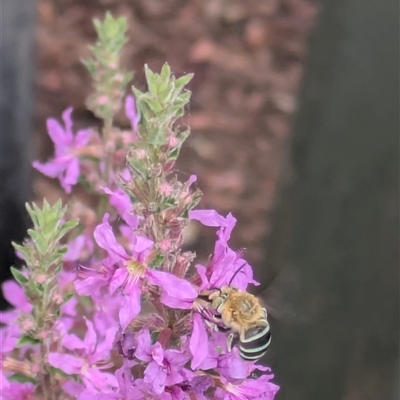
46	378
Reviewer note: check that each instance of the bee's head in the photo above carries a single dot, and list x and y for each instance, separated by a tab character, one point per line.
226	291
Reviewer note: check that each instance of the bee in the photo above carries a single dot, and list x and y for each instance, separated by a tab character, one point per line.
242	314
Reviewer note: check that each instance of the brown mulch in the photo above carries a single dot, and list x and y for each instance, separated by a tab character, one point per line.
247	57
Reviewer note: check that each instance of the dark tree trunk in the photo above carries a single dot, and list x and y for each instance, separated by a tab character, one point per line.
340	214
17	66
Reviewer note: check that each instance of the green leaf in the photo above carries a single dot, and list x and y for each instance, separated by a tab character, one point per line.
183	81
169	202
155	105
38	240
68	297
19	277
174	153
57	371
66	227
22	249
22	378
165	72
58	268
32	214
157	261
85	301
151	80
51	227
27	340
51	259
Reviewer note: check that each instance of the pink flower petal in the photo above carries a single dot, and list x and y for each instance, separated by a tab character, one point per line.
105	238
156	376
208	217
72	342
82	137
177	292
67	363
198	342
192	179
15	295
87	286
230	222
100	380
133	114
71	174
201	270
50	169
90	339
143	349
130	307
56	132
130	219
67	118
118	279
142	245
157	353
260	387
118	199
103	348
232	366
74	248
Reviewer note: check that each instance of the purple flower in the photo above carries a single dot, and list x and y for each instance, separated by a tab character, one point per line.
93	279
133	269
118	199
125	344
8	342
65	164
225	261
133	114
232	366
177	292
15	295
17	391
76	246
90	354
125	389
165	368
130	272
248	389
199	384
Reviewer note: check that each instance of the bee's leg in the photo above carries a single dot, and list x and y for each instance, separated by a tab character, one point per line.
211	325
229	341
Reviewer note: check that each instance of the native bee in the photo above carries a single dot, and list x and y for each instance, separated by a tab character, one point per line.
240	313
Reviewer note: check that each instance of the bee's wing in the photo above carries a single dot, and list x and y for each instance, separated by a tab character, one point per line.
272	301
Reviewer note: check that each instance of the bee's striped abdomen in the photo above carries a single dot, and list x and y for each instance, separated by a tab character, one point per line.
255	342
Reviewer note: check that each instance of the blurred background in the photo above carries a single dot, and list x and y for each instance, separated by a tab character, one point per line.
295	130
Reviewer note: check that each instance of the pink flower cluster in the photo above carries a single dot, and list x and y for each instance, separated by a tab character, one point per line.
132	328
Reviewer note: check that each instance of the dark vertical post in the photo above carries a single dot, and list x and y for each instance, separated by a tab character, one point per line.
16	105
340	269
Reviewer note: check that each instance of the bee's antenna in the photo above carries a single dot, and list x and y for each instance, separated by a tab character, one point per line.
236	272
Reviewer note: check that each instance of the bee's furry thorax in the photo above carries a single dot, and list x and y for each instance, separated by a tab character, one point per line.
241	310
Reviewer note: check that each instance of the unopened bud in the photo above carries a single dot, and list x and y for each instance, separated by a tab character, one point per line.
57	299
165	189
26	323
173	141
140	154
165	245
40	278
101	100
